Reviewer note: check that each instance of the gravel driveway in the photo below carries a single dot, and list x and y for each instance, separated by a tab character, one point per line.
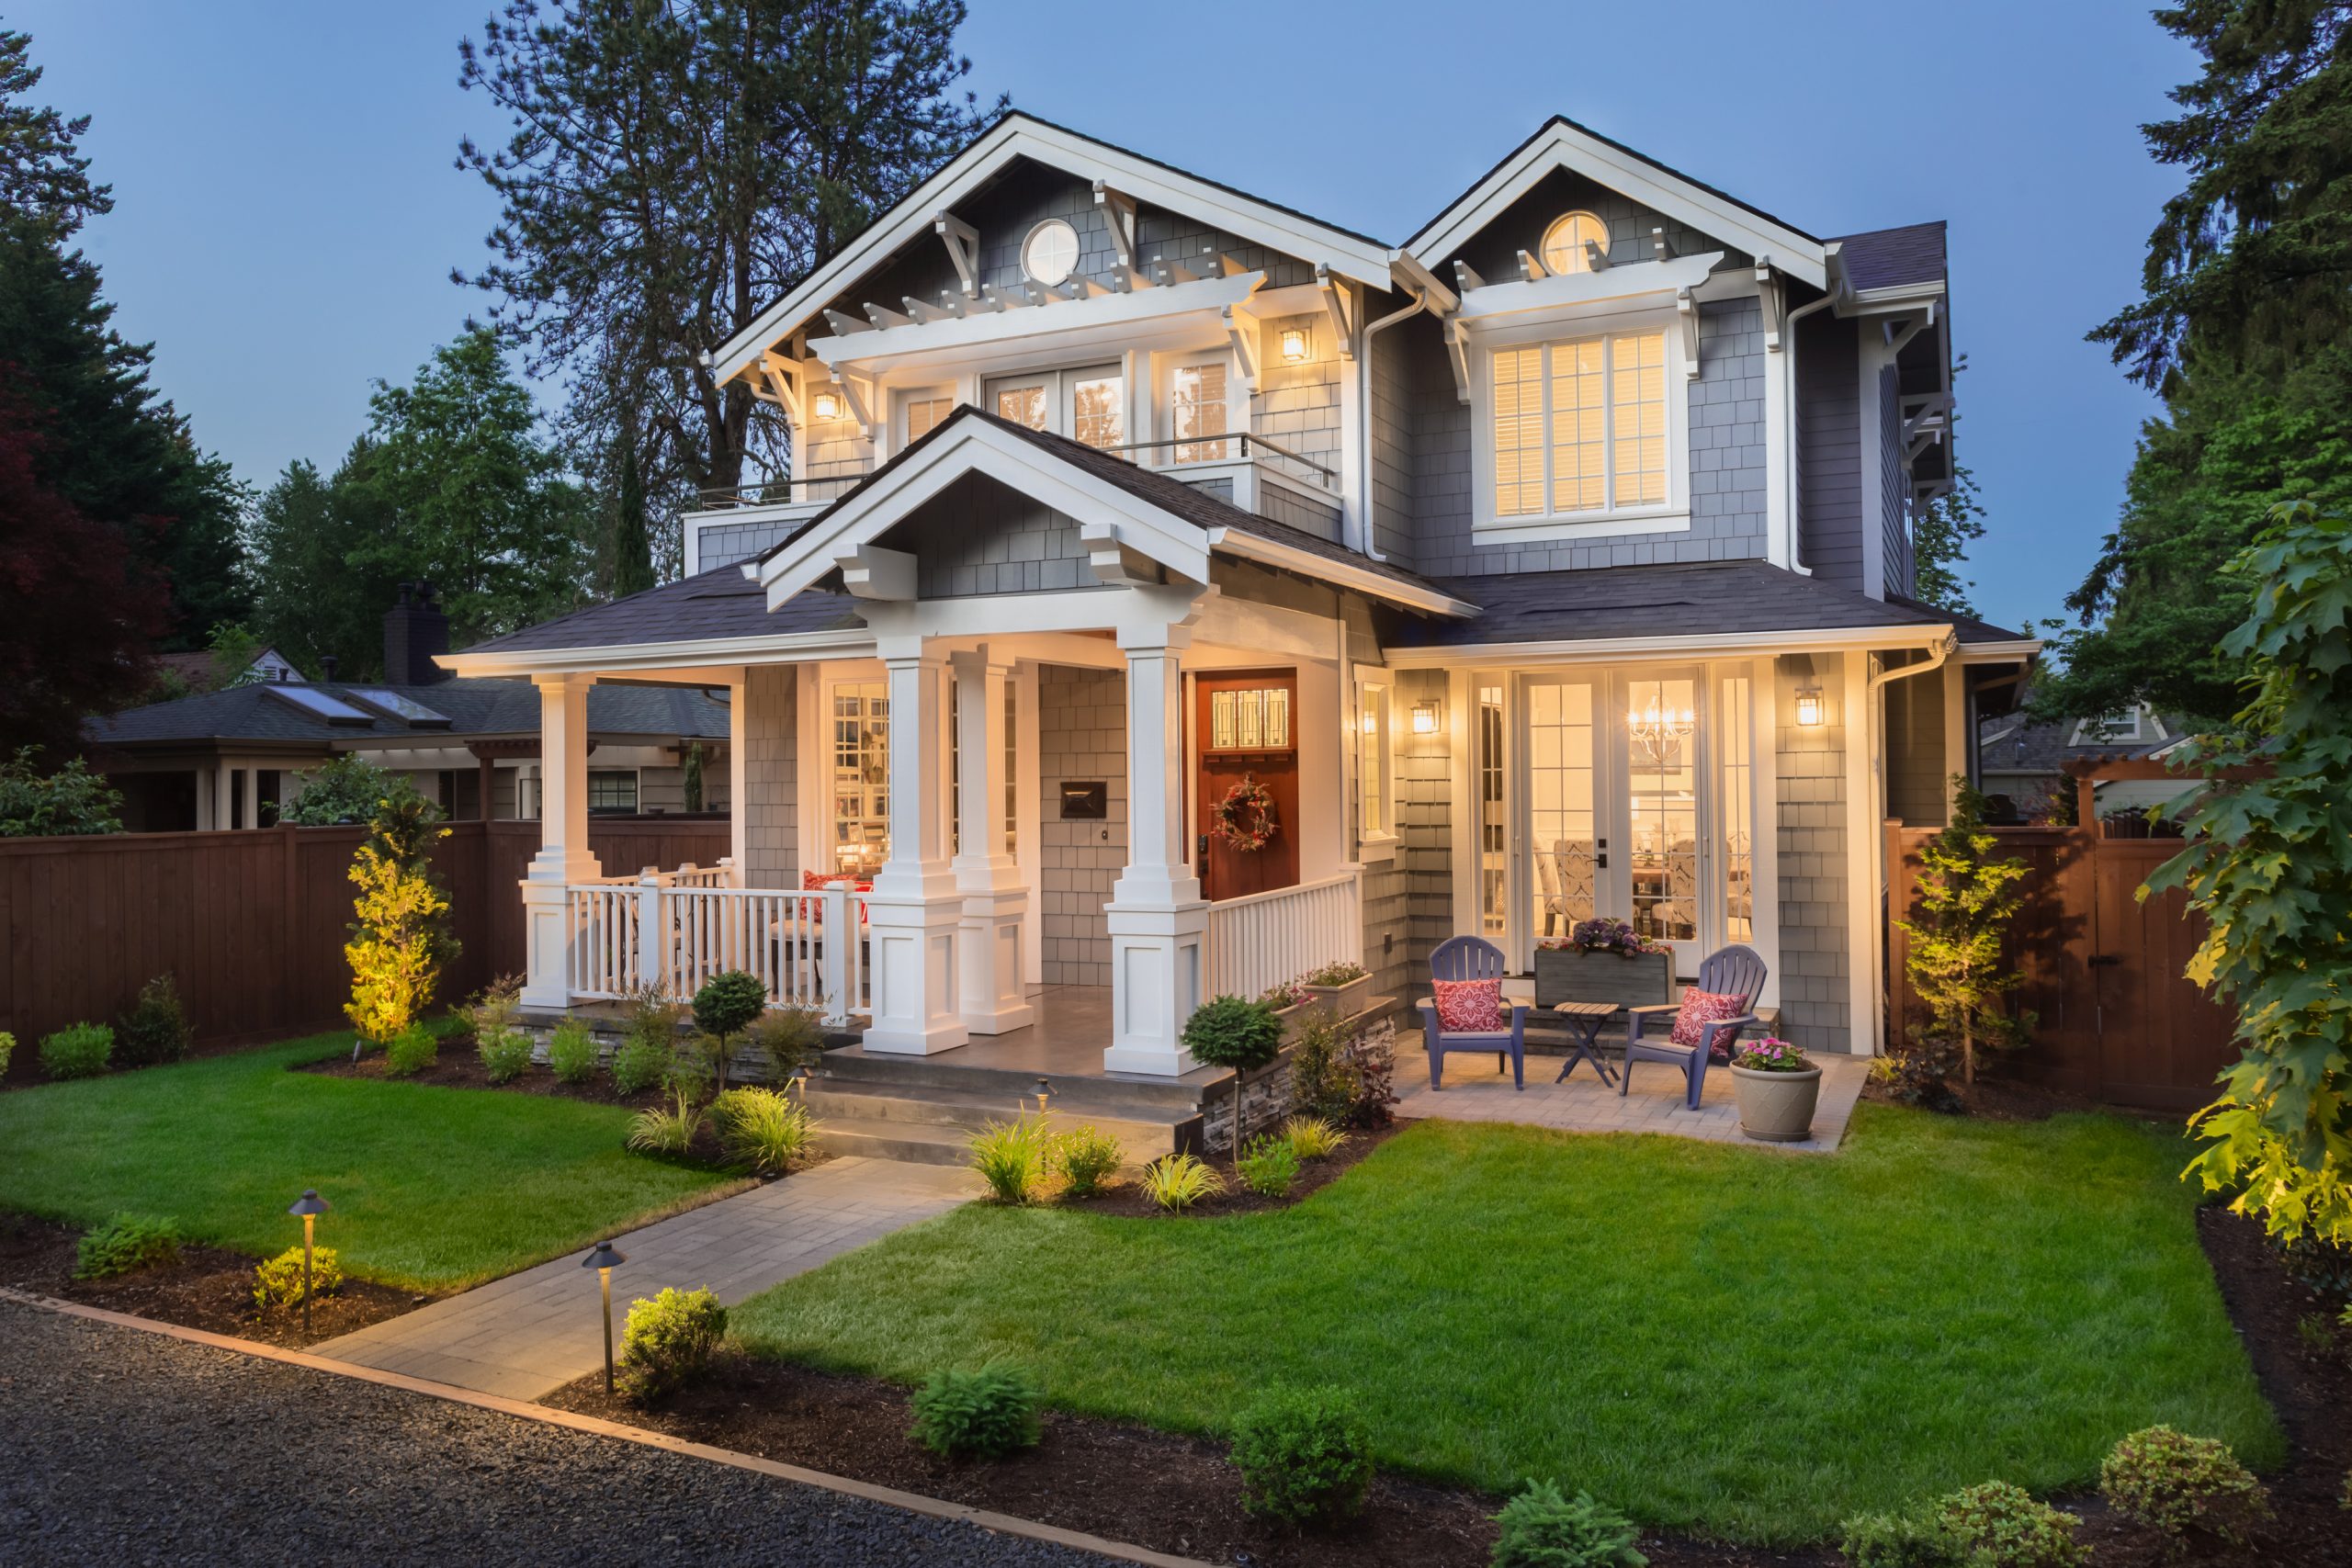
117	1446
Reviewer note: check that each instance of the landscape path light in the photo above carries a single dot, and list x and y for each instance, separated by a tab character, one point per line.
1045	1093
309	1206
605	1260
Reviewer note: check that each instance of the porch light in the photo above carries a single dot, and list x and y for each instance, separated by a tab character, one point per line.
1424	718
825	405
605	1260
307	1207
1294	345
1809	706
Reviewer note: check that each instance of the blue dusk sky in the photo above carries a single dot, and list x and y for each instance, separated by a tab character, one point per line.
287	215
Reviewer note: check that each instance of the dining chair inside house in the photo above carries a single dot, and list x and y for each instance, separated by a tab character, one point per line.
1556	908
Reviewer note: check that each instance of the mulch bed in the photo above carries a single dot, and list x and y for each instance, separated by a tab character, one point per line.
459	1067
1128	1198
209	1288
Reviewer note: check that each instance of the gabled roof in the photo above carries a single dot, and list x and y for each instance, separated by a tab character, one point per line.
1561	143
1893	258
1015	135
474	708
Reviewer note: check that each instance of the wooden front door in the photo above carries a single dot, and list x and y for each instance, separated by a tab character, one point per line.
1246	725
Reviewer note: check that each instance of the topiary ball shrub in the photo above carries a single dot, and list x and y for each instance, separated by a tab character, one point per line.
1899	1540
277	1283
571	1052
1540	1529
1305	1456
2004	1526
124	1244
982	1415
730	1003
411	1050
156	1029
670	1341
80	1050
1228	1032
2182	1484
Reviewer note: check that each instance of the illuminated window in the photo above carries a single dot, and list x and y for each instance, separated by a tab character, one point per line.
1580	427
1196	408
1734	746
1086	405
1023	402
1373	804
1253	718
861	777
1662	794
1564	241
924	413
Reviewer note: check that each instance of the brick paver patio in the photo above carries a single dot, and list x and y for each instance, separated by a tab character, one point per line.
531	1333
1476	1091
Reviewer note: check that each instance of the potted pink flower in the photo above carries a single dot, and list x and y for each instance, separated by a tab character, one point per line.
1289	1000
1777	1088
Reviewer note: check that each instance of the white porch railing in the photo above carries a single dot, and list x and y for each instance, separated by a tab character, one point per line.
1263	938
675	935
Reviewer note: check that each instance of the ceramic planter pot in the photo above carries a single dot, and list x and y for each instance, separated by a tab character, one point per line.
1345	1001
1565	975
1776	1107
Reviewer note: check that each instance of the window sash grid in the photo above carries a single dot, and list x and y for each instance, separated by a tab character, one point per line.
1507	374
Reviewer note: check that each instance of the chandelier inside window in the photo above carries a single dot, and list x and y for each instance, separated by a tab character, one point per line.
1659	727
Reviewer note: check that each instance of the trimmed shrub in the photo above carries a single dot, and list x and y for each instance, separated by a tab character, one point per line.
1540	1529
1311	1137
571	1052
762	1128
666	1128
277	1283
1176	1182
411	1050
639	1064
986	1415
2180	1483
156	1029
8	1049
504	1055
789	1038
80	1050
1088	1159
493	1013
687	1072
1228	1032
125	1243
1305	1456
1340	1075
669	1342
1011	1157
727	1005
1270	1168
2005	1528
1899	1540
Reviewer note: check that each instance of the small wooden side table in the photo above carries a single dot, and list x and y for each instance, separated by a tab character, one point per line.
1583	1021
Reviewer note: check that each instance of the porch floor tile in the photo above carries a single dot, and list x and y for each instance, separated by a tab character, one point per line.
1476	1091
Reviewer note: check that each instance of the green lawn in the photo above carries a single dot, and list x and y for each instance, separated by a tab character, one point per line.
431	1188
1744	1342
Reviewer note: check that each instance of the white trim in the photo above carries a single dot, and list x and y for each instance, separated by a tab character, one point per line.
1338	574
1017	136
1102	326
1865	856
789	647
1561	145
1375	844
1612	649
1577	290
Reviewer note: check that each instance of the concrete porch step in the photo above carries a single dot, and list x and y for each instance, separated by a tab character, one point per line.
946	1144
859	1071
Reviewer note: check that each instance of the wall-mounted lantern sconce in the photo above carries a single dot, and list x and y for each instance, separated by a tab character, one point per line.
1809	706
1294	345
825	405
1424	718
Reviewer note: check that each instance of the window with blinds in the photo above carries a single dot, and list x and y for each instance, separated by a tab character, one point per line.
1196	409
1581	426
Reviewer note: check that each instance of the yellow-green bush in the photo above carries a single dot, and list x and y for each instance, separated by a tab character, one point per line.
277	1283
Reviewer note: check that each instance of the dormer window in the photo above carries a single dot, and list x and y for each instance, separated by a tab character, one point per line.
1564	242
1051	253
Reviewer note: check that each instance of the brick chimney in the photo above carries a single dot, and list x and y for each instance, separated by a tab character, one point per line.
415	630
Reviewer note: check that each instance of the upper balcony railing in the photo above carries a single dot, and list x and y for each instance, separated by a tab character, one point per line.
1184	451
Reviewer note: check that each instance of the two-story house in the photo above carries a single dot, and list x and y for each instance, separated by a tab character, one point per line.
1553	562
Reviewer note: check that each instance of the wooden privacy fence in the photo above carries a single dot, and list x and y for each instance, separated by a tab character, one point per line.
2118	1020
253	923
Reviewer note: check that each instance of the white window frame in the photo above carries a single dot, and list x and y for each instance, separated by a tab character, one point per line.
2096	731
901	406
1167	370
1671	517
1375	750
1061	385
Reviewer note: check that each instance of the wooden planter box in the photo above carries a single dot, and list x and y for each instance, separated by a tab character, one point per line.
1564	975
1345	1001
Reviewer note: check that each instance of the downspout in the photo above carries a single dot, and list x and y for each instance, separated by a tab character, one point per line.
1796	460
1364	405
1876	729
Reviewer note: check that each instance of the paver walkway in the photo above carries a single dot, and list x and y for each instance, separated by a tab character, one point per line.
1475	1092
531	1333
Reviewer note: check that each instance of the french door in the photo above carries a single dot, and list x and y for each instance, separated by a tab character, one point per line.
1625	793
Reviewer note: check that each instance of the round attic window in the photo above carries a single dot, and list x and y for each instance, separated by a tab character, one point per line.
1564	241
1051	253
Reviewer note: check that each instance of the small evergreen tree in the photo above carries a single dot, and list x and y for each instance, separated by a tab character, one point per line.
692	769
401	940
632	544
1966	900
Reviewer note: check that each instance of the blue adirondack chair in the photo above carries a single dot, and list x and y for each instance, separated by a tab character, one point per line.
1733	971
1470	958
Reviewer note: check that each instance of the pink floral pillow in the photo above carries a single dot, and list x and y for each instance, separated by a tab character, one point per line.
1469	1007
817	881
1699	1009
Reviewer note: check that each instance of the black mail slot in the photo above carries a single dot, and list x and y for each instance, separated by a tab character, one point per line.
1085	802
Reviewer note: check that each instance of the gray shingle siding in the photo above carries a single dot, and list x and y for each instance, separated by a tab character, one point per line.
1829	450
1493	253
1894	487
730	544
1390	423
771	776
1815	956
981	536
1081	736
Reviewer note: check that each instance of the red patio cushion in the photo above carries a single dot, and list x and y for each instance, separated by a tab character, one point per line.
1701	1009
815	881
1469	1007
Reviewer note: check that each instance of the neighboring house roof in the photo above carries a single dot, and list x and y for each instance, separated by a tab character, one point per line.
1893	258
475	708
1694	599
197	668
2018	746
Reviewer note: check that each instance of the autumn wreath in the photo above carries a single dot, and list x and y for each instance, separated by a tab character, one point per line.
1245	818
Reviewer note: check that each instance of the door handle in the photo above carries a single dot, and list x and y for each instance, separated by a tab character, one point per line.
1603	862
1200	850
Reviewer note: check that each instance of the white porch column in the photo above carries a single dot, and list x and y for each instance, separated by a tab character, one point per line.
914	908
995	897
1157	916
739	816
252	797
224	791
563	856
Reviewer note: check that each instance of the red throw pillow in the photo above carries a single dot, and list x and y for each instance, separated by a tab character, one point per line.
1699	1009
1469	1007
